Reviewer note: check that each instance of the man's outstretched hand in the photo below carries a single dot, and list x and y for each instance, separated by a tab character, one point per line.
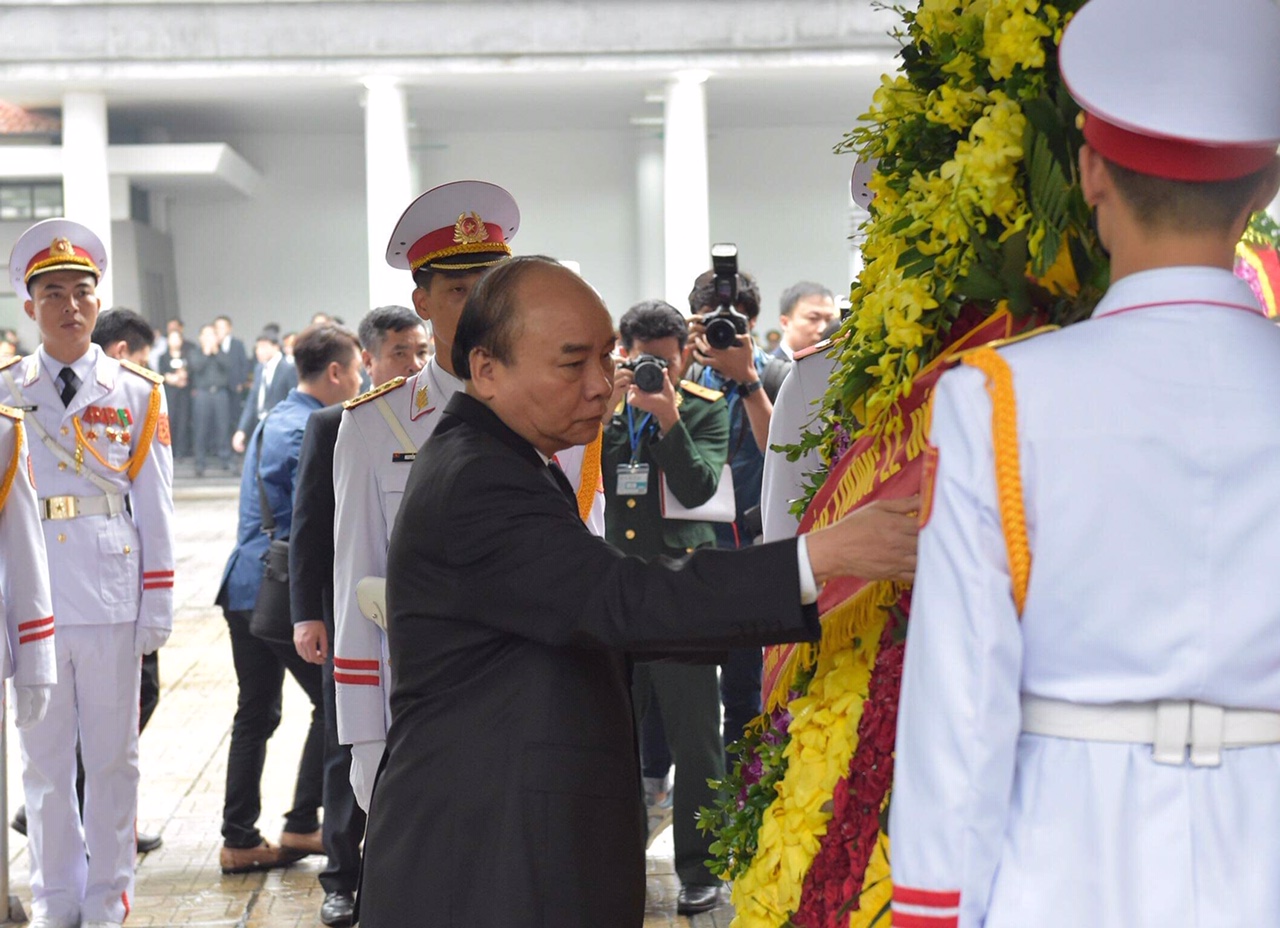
874	542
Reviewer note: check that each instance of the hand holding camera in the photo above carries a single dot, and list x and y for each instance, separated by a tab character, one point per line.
651	389
720	336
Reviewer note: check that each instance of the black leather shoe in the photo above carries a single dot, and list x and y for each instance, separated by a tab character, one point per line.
338	909
148	843
695	899
19	823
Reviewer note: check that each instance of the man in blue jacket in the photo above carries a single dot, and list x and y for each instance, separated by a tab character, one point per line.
328	364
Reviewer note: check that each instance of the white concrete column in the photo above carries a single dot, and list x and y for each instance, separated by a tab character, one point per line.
686	202
86	188
650	247
387	189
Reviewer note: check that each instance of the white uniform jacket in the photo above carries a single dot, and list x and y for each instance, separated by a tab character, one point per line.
25	602
794	411
371	464
103	569
1149	438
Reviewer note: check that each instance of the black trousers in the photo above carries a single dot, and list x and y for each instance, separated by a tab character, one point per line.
260	669
212	413
740	690
690	706
344	820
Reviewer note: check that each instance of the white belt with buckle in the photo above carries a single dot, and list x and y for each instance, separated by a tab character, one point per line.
1169	726
56	508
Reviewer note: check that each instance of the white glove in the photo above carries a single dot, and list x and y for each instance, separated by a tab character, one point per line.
30	702
147	639
365	758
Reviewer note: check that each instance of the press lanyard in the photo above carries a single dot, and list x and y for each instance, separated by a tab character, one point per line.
634	432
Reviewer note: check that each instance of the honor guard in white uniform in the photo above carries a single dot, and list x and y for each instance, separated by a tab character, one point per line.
794	412
1089	730
101	461
446	239
25	604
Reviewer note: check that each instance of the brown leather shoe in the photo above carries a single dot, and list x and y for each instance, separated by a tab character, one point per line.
266	856
302	844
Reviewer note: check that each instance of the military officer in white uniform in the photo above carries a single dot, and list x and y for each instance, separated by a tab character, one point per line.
447	239
102	464
1089	731
794	412
26	607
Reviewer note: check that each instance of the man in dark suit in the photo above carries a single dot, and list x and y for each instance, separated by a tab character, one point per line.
273	377
239	367
510	792
311	594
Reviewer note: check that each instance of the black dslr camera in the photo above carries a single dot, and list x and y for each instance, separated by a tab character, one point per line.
723	326
648	372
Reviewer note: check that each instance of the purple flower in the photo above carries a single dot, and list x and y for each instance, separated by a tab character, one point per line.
752	772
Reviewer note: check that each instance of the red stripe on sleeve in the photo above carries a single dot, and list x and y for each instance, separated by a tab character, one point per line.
348	664
355	679
35	623
35	636
156	574
158	585
910	920
945	899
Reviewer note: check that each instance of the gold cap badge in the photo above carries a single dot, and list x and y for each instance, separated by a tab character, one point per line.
61	246
470	229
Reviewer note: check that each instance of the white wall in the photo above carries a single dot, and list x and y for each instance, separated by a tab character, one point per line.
783	198
297	247
576	191
778	193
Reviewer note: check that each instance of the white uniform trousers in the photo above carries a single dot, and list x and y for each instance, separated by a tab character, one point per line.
96	698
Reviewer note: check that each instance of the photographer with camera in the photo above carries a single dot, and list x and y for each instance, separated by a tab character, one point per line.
665	436
725	303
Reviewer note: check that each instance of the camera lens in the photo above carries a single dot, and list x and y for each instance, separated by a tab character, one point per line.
721	333
649	377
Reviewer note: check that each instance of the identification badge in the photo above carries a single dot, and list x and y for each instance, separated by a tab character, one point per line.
633	479
403	457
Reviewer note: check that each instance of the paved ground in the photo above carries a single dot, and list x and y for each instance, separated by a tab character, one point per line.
183	757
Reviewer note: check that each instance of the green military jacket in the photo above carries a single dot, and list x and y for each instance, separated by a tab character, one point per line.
691	457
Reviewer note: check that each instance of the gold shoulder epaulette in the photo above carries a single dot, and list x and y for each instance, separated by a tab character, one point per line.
141	371
374	393
11	413
823	346
1020	337
698	390
9	362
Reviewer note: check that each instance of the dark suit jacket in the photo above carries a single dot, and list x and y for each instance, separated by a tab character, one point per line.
311	537
285	379
510	793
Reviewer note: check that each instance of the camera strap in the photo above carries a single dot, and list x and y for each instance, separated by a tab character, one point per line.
634	432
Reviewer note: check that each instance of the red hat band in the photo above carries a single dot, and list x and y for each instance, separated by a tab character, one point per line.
60	255
469	235
1173	159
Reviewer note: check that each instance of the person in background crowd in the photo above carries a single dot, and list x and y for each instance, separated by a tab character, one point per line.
273	377
286	344
675	439
172	365
239	369
210	373
103	460
750	381
805	311
393	345
328	362
771	340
